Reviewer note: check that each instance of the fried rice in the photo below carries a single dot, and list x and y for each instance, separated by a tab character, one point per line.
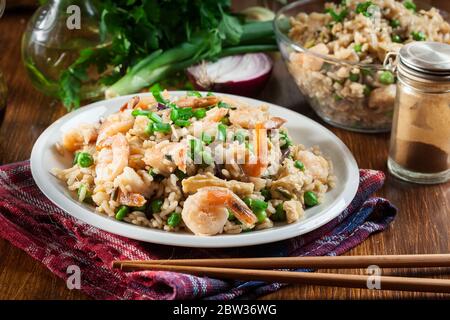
204	164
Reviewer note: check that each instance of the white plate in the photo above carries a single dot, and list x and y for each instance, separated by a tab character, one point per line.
303	130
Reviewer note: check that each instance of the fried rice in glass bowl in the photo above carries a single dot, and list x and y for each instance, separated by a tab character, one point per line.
335	51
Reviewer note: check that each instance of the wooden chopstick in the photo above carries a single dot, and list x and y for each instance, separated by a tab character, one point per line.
322	279
325	262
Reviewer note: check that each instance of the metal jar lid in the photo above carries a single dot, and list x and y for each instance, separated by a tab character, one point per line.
425	60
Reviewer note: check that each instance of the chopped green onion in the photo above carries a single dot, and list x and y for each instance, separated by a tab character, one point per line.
139	112
180	174
155	117
182	123
310	198
395	23
408	4
418	35
396	38
194	93
85	160
83	193
299	165
122	212
207	157
206	138
338	17
221	132
156	92
285	141
240	137
354	77
161	127
357	48
266	194
280	214
174	219
149	129
222	104
387	77
363	8
174	114
75	157
231	216
196	148
156	205
209	94
200	113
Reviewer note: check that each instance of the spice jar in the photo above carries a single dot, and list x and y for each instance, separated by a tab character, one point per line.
420	138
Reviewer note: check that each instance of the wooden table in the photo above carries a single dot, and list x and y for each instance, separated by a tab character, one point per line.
422	224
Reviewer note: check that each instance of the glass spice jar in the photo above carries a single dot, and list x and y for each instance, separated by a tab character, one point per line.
420	138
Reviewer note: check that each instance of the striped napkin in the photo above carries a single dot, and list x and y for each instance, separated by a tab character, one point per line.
29	221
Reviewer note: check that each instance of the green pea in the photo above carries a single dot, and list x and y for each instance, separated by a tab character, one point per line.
299	165
354	77
156	205
261	215
206	138
161	127
285	141
280	214
122	212
185	113
396	38
85	160
418	35
182	123
357	48
174	219
395	23
266	194
310	198
387	77
256	205
200	113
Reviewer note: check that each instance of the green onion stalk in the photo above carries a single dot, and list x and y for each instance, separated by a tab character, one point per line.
255	37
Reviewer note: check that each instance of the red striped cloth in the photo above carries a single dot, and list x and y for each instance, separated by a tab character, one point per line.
32	223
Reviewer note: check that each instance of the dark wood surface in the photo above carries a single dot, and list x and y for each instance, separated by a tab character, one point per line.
422	224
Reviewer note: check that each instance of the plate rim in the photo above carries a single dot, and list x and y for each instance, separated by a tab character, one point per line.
105	223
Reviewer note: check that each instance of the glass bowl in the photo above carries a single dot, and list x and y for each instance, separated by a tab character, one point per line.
345	94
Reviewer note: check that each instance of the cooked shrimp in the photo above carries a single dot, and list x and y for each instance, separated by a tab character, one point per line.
247	117
75	138
315	165
131	199
167	156
112	159
119	122
255	166
129	181
215	114
205	212
194	102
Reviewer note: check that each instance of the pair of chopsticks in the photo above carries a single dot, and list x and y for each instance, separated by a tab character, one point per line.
254	269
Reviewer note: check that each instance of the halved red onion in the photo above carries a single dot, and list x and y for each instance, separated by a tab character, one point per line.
244	74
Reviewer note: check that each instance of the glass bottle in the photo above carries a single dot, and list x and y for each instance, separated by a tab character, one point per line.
420	138
53	39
